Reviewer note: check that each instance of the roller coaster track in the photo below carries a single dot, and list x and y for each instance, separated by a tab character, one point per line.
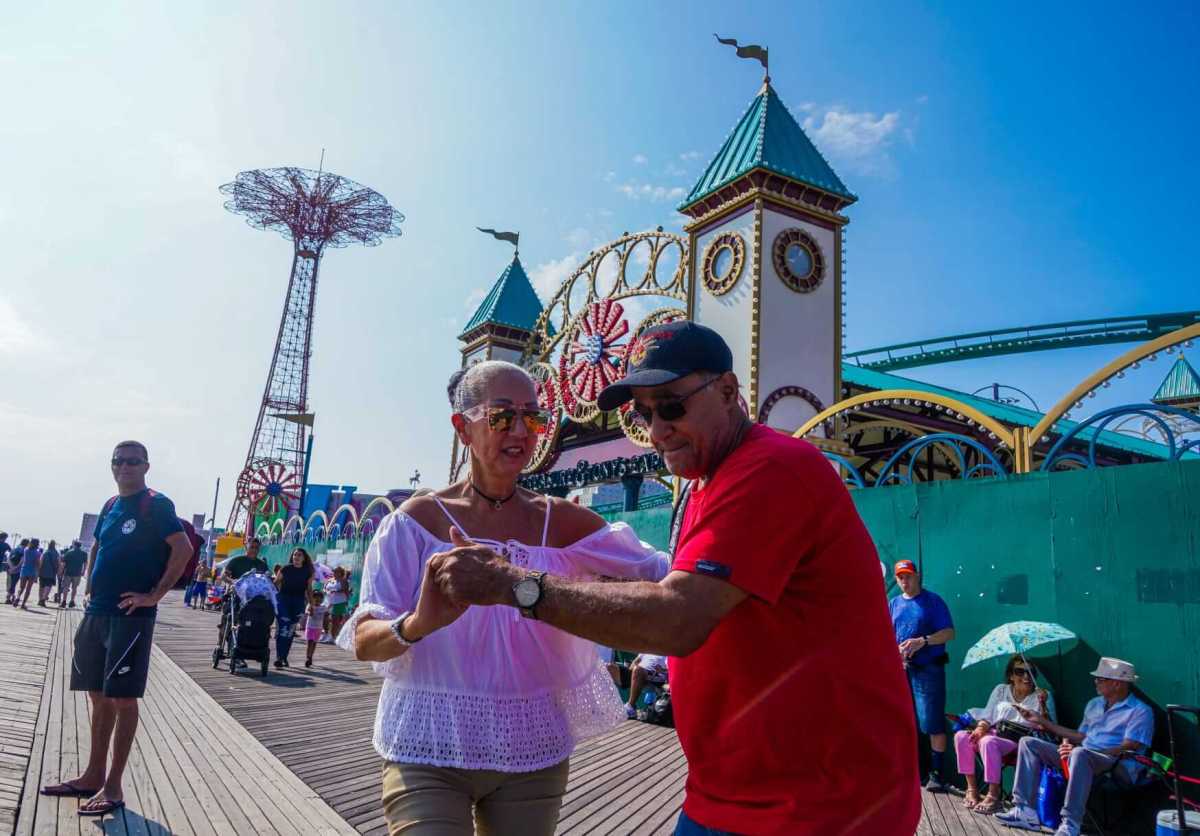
1055	335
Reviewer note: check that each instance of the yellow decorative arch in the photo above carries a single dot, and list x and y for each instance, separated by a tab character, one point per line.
969	413
313	516
379	500
1134	355
346	507
295	518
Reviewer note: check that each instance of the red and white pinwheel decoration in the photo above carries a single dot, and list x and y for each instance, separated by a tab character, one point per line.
273	488
591	358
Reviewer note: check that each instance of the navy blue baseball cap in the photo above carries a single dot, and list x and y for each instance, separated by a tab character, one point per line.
665	353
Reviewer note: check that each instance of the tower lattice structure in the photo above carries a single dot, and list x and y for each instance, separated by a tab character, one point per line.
316	210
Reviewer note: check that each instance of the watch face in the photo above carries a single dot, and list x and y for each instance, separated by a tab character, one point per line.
527	592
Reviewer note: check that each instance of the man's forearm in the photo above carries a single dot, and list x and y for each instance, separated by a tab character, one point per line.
176	563
87	571
640	615
1062	731
941	636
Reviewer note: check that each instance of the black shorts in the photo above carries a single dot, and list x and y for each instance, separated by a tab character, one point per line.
45	582
112	654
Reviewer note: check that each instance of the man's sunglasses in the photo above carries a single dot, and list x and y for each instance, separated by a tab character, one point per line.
501	419
671	409
132	461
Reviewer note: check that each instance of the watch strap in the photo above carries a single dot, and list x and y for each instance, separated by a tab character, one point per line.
531	610
397	625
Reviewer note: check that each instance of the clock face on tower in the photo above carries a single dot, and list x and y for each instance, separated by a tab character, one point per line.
723	261
798	260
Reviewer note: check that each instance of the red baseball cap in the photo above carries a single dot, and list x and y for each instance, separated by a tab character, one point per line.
905	567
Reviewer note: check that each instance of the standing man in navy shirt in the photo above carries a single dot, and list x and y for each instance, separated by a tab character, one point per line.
139	551
923	626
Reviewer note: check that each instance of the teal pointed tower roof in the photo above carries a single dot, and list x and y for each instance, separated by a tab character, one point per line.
768	137
511	302
1180	386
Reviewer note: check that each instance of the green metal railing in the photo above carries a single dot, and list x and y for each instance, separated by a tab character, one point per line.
1054	335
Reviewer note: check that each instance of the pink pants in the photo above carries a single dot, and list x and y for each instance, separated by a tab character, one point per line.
992	750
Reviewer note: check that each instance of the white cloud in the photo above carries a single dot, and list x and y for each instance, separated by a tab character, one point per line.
640	159
860	140
688	156
474	298
579	237
635	190
674	170
549	276
16	336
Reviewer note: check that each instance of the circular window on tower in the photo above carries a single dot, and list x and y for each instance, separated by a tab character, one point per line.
798	260
724	258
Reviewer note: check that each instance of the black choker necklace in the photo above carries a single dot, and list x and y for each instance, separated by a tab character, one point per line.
496	503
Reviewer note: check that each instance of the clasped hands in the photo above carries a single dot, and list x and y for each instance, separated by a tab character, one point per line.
454	580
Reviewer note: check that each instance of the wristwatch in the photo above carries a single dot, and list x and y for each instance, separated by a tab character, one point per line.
528	592
397	626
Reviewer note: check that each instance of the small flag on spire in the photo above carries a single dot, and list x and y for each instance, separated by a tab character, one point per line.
748	51
510	237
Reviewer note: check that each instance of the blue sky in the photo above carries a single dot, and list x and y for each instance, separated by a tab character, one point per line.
1014	164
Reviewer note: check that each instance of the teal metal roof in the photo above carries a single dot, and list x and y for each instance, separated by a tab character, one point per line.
511	301
1181	385
768	136
1003	412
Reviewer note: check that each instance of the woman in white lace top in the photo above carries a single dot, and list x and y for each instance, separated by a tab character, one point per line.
481	707
1018	688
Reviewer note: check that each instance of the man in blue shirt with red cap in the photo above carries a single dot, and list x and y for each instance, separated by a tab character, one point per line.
923	625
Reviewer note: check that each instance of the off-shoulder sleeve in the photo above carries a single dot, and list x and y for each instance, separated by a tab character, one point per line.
614	552
391	578
990	712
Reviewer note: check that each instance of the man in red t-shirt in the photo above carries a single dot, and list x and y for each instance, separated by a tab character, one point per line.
788	695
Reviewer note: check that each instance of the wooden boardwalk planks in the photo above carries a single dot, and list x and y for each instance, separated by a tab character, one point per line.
25	640
318	722
193	770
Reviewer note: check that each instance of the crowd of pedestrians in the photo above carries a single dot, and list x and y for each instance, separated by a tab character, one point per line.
55	574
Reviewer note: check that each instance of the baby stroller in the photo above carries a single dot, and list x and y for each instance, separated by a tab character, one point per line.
215	598
246	619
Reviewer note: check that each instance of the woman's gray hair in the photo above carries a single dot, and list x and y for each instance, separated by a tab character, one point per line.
468	387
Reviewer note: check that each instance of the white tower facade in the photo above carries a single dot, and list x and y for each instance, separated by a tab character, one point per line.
766	249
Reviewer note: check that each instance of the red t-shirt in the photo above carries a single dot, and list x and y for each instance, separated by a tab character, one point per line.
794	714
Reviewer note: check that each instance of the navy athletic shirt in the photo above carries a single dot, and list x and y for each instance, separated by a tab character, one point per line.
132	552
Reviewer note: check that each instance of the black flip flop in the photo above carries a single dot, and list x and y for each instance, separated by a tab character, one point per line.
103	810
67	789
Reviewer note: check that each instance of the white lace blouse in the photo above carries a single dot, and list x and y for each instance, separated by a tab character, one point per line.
493	690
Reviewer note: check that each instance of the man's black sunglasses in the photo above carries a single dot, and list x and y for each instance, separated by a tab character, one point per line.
132	461
671	409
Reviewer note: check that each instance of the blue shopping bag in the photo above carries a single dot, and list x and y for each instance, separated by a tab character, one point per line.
1052	789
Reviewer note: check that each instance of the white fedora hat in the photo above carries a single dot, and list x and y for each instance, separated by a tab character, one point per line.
1110	668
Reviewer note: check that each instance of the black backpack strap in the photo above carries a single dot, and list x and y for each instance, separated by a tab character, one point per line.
677	519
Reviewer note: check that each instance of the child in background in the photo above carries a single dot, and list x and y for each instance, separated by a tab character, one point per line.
315	611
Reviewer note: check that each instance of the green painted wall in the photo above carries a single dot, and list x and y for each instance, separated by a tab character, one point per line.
1113	554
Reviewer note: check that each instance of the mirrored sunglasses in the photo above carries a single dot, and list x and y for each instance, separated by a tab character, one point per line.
501	419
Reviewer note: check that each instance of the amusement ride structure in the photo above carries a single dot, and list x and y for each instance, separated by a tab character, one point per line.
761	261
316	210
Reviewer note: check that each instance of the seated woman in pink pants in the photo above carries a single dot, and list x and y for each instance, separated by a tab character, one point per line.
1017	689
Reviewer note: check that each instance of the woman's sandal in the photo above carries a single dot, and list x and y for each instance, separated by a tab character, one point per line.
971	799
989	805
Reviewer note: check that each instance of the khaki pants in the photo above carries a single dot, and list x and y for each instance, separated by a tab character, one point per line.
421	800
